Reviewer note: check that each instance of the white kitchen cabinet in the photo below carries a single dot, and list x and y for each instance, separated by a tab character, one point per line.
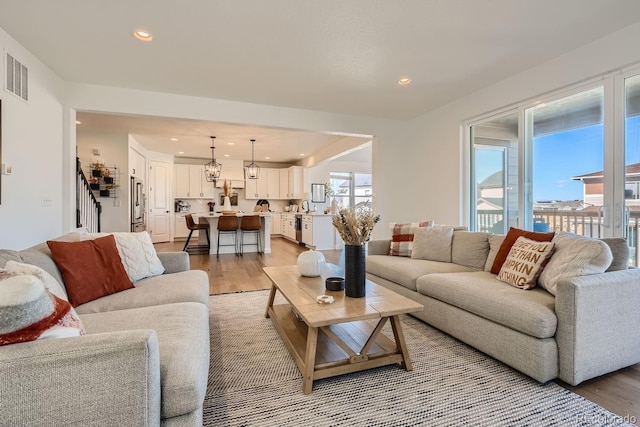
297	181
137	164
289	226
284	184
267	186
191	183
317	232
276	223
181	174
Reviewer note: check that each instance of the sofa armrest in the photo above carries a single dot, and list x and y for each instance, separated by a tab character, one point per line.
378	247
174	262
102	379
597	324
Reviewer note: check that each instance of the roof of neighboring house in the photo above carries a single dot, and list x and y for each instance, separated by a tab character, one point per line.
494	180
632	170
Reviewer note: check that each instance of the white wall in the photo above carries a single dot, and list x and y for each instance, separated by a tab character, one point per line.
32	143
432	162
114	151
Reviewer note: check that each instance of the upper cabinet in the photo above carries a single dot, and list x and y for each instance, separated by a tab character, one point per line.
191	183
137	164
267	186
284	184
297	181
276	184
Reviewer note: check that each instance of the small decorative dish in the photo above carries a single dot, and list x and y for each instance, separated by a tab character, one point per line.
334	283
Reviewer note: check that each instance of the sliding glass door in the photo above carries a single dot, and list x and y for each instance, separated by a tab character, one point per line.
494	199
629	215
570	162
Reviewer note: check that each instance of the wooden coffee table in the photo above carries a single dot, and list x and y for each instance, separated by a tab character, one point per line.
326	340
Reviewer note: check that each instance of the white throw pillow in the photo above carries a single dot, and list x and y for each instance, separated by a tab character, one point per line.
574	255
432	244
138	254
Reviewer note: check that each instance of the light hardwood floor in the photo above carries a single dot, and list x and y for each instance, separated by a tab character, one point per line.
618	392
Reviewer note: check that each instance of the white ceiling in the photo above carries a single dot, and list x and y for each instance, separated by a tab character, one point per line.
343	56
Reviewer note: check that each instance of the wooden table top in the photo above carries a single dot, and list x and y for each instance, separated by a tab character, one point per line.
301	292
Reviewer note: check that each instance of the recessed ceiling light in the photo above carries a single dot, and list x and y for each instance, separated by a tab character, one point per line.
78	122
145	36
227	155
230	143
267	158
174	139
302	154
180	152
404	81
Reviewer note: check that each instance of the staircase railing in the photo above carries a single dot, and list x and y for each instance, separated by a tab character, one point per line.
88	208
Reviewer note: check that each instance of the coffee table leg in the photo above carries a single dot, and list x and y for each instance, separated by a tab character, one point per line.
402	345
309	360
272	296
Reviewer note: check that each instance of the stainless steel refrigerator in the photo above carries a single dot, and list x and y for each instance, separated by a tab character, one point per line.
137	205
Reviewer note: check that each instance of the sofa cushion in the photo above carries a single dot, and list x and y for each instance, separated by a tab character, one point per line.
402	237
405	271
137	253
620	252
509	240
183	341
185	286
470	248
495	241
574	255
530	312
91	268
9	255
525	262
432	243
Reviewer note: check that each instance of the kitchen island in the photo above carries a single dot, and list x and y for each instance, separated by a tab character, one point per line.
227	239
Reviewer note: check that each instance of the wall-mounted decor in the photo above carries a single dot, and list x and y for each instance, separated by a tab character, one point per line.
318	193
233	197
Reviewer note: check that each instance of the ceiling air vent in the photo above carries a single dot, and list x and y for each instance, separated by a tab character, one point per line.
17	78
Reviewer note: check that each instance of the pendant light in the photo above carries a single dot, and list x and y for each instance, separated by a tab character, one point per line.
252	170
212	169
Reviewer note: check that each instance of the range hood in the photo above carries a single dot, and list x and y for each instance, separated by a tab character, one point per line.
232	170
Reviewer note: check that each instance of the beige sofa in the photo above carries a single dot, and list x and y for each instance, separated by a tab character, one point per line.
144	360
587	329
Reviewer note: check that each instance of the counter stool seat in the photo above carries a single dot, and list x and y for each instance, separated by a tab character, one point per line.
228	224
192	226
250	224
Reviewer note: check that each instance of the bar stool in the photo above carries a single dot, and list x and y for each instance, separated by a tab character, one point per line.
250	224
191	225
228	224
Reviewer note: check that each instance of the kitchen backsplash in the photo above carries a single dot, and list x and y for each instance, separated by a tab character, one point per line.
201	205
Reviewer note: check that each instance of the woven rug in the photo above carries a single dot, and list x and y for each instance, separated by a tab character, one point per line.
253	381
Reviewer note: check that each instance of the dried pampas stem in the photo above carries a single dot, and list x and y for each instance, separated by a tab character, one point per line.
355	225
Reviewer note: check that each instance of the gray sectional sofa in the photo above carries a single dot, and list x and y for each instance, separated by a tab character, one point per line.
589	328
144	360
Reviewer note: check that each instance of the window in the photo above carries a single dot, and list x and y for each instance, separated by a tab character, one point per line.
352	189
569	162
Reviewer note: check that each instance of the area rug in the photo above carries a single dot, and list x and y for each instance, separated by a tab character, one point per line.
253	381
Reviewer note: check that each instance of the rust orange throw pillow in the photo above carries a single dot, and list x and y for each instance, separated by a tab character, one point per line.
90	269
510	239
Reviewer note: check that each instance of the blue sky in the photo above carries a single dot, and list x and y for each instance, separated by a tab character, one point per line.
560	156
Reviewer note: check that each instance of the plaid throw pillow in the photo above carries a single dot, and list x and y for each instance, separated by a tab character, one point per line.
402	237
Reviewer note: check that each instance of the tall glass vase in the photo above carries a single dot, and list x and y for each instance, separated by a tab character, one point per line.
354	271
